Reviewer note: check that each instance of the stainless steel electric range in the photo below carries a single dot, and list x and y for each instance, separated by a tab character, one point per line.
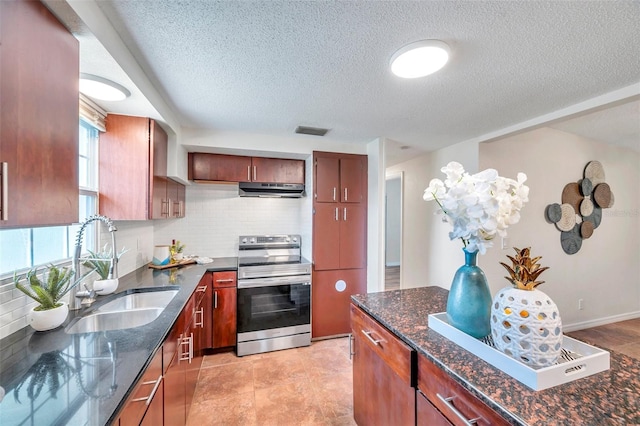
274	294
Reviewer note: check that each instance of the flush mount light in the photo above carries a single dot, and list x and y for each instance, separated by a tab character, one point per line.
420	58
101	88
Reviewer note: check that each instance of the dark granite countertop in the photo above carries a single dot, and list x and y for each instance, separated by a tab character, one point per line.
611	397
54	378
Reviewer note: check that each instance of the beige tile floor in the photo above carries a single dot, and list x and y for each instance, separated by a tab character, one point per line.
302	386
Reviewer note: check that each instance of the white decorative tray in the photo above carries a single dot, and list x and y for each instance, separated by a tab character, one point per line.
578	359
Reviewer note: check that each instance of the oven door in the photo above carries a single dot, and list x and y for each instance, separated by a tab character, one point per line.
272	303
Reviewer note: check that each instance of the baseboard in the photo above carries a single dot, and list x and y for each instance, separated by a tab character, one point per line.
600	321
392	264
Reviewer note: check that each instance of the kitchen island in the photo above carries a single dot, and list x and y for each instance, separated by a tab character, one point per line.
611	397
55	378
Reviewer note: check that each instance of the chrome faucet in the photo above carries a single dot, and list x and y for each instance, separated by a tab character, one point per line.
113	268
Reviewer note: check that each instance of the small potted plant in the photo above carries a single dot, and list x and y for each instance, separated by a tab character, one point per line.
100	262
54	283
176	250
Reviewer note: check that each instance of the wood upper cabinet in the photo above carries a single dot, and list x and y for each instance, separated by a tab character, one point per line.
339	236
176	199
219	168
383	393
340	177
39	62
234	168
133	170
224	309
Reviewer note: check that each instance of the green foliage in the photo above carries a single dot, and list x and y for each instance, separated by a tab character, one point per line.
101	261
54	283
177	247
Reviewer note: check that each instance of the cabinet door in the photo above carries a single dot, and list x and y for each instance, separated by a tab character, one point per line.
352	179
326	236
175	389
224	316
39	62
224	279
331	298
353	236
206	283
147	397
175	198
220	168
327	179
382	365
277	170
160	207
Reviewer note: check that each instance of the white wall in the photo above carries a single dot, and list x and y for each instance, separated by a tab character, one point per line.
605	272
393	220
375	216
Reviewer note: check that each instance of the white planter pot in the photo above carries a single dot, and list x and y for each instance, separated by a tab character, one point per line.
49	319
526	325
103	287
178	257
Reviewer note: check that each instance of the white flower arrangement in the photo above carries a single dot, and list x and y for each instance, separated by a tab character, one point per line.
478	206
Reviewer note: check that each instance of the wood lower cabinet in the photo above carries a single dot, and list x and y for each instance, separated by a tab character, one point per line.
225	299
382	368
39	61
236	168
339	236
145	406
175	410
453	401
133	170
331	297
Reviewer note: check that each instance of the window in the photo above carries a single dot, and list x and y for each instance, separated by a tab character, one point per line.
28	247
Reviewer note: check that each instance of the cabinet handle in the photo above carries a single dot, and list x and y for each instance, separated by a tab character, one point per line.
345	214
367	334
199	323
215	299
346	195
459	415
249	173
162	209
181	208
186	341
202	288
255	174
4	191
149	398
336	214
334	193
351	352
227	280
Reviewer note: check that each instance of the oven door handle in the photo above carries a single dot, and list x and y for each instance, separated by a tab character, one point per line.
275	281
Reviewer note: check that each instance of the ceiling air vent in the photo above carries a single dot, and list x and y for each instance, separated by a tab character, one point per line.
314	131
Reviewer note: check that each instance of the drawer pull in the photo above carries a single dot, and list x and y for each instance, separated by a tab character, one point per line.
4	191
229	280
334	193
351	353
459	415
149	398
367	334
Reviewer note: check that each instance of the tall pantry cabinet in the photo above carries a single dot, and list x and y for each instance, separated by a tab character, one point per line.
339	239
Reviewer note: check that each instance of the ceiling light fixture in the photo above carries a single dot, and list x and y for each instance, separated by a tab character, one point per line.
420	58
101	88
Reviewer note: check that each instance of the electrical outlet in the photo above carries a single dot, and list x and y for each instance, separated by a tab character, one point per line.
505	243
580	304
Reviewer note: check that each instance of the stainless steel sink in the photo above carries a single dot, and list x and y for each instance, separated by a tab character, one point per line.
127	311
152	299
116	320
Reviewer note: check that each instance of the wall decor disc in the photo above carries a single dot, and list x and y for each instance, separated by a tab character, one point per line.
568	219
586	207
594	172
602	195
553	213
571	195
585	186
612	202
586	229
571	240
595	217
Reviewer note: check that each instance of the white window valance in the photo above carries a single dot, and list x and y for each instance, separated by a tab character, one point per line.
92	113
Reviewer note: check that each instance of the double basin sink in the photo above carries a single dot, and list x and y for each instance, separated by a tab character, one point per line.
127	310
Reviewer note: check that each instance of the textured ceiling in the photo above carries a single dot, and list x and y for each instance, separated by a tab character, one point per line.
267	67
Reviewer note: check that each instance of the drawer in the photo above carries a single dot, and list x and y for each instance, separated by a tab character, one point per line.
427	414
224	279
147	387
395	353
450	398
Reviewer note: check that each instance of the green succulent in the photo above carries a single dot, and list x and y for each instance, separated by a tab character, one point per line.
101	261
54	283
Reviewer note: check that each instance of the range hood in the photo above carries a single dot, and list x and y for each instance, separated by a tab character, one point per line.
271	190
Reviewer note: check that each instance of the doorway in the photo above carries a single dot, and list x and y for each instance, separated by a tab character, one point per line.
393	232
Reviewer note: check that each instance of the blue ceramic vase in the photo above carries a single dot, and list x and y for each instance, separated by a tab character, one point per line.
469	302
